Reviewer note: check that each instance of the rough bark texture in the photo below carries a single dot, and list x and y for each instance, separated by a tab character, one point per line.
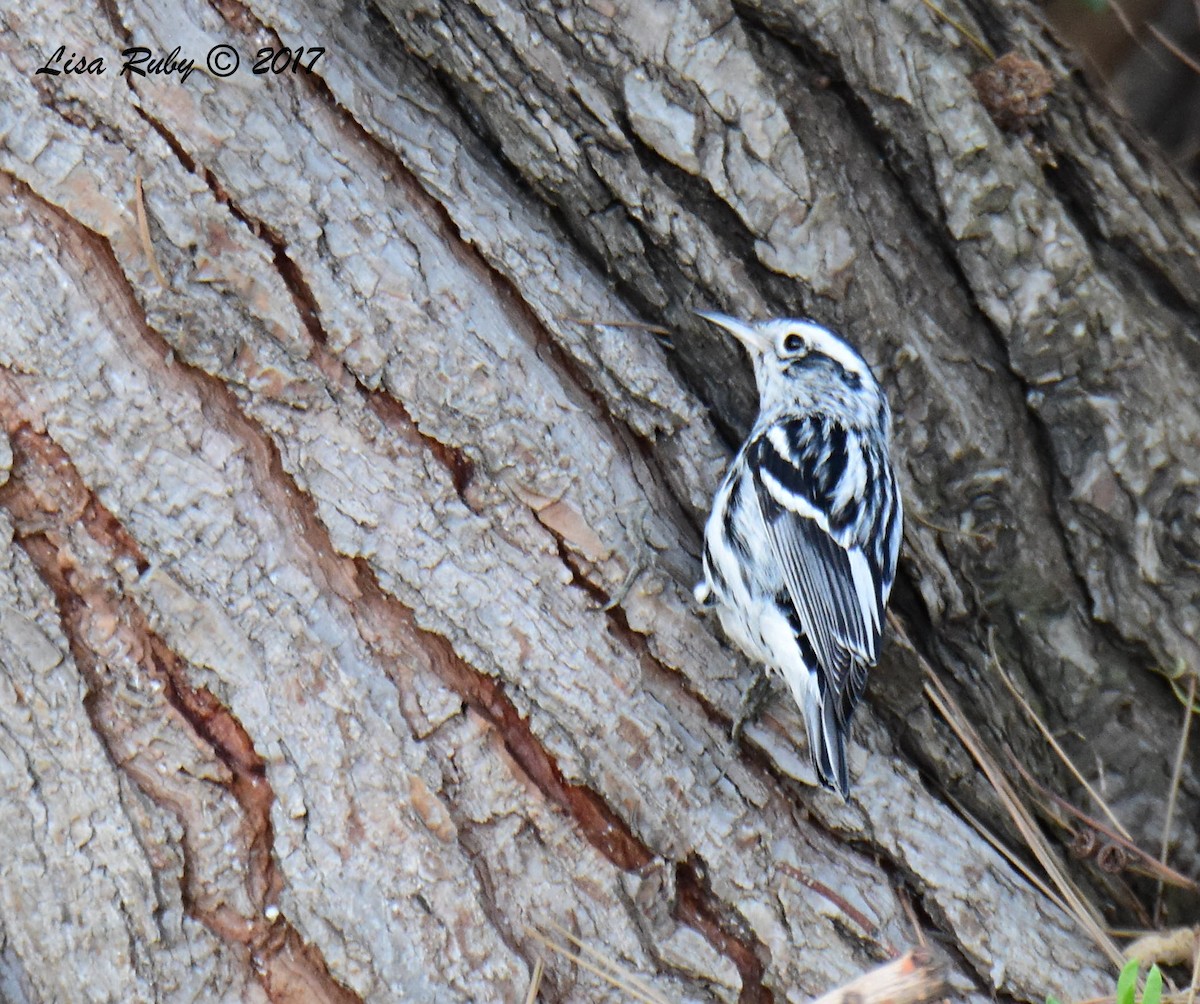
307	688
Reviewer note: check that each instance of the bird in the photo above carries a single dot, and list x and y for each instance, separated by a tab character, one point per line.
801	546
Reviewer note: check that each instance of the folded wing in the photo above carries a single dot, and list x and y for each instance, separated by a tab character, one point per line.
831	511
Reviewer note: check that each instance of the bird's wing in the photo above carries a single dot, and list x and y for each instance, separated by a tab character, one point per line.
831	511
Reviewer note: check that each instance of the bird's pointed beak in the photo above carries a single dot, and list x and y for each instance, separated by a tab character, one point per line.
745	333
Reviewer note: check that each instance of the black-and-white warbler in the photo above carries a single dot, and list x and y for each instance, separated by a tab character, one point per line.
800	550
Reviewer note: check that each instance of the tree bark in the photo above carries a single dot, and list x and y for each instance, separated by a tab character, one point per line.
322	466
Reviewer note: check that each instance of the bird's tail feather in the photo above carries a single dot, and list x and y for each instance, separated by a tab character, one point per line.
827	744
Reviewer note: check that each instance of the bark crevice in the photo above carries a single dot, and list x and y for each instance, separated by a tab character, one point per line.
47	501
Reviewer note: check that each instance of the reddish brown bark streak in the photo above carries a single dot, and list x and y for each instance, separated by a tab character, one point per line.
46	500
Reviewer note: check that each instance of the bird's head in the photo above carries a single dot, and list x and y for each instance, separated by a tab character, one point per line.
798	363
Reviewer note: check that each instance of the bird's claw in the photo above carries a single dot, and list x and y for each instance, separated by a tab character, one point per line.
754	700
642	558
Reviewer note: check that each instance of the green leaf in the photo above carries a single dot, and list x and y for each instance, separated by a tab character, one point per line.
1153	989
1127	982
1051	999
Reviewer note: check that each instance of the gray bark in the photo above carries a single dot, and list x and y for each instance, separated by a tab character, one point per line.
307	690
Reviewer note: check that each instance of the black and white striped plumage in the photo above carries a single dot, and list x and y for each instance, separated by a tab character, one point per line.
800	550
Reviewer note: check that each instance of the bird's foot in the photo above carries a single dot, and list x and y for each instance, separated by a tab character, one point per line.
643	558
754	701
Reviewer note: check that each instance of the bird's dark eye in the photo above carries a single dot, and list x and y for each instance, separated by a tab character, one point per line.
793	343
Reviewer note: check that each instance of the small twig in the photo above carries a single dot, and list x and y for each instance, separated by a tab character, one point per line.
654	329
914	978
1162	39
1084	913
139	208
1049	737
1123	892
1174	49
615	979
980	45
1131	31
1180	671
949	529
870	930
535	982
1150	865
1009	856
1176	776
911	913
648	990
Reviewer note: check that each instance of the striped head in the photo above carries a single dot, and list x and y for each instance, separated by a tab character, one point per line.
800	366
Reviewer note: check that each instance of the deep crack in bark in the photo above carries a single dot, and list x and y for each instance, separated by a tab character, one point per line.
47	500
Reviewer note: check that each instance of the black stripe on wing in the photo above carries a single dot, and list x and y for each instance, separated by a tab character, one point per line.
819	453
817	459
